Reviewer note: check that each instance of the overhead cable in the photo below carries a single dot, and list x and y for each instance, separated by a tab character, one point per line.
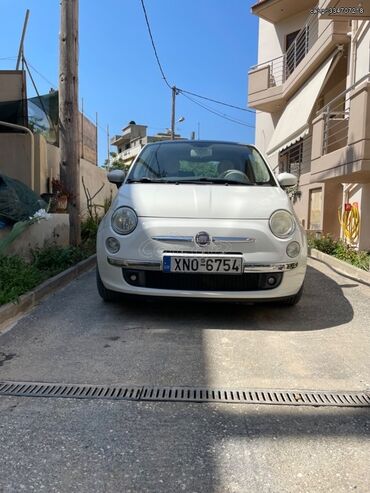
216	101
153	44
215	112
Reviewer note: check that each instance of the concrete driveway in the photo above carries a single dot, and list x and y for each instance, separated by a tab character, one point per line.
73	337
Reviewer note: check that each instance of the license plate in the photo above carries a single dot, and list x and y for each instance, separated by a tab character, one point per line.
206	265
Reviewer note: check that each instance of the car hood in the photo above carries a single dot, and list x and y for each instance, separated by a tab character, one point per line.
202	201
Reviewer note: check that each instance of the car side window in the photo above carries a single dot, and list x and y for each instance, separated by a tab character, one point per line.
260	171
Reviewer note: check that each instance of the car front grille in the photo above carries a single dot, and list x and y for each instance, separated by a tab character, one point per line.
202	282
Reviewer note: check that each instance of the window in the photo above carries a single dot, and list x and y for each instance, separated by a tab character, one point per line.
315	210
290	159
289	39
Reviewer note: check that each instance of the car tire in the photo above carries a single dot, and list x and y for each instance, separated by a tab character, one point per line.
106	294
293	300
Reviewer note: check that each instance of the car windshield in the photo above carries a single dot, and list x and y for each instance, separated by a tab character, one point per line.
200	162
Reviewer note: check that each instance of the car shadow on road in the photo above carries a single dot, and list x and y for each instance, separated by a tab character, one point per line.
322	306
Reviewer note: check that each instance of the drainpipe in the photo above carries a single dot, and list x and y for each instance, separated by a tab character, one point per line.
32	141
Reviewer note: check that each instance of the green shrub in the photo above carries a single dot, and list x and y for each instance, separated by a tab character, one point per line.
324	243
17	277
340	250
348	254
54	259
89	229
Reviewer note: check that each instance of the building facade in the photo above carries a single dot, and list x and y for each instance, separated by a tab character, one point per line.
34	157
133	139
311	93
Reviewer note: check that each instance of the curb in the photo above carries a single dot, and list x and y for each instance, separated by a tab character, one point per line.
341	267
28	300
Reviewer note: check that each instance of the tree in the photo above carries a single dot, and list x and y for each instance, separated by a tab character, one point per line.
115	162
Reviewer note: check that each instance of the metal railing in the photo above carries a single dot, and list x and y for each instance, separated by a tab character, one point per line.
336	119
296	159
282	67
302	44
130	152
276	70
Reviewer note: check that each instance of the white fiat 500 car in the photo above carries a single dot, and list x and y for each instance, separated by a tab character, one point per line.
201	219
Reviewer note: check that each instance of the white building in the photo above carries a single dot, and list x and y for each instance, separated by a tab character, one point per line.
133	139
311	92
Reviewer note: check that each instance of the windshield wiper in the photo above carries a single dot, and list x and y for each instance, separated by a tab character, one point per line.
221	181
143	180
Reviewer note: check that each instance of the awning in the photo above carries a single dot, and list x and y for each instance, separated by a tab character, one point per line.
293	123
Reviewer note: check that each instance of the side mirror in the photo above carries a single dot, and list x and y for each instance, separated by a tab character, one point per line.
287	180
116	176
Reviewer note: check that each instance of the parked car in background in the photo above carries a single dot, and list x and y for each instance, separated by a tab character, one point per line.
201	219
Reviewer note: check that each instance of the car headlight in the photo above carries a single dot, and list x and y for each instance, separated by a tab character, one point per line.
124	220
282	223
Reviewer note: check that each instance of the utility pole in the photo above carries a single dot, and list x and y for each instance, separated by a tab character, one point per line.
69	129
20	60
173	112
21	44
82	128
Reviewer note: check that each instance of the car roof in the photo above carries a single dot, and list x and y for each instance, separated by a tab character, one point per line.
189	141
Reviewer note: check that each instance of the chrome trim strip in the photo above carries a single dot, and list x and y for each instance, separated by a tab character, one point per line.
270	267
176	239
233	239
149	265
215	239
135	264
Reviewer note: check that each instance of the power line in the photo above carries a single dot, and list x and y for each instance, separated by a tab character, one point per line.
183	90
221	115
43	76
52	125
91	118
216	101
153	44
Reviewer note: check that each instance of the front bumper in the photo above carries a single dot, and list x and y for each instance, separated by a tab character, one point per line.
141	252
287	285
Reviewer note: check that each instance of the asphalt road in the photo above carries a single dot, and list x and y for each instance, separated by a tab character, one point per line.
65	445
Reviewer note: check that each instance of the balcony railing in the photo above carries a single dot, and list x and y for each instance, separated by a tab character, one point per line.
282	67
336	119
302	44
130	152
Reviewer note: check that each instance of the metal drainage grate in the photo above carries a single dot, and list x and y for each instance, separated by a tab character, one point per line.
187	394
277	397
72	391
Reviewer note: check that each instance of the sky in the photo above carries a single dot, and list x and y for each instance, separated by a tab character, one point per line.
205	46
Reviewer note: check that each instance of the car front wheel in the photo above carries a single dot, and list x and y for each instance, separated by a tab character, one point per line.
106	294
293	300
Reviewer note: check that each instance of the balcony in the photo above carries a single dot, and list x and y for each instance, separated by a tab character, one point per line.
277	10
273	82
115	139
341	137
130	153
